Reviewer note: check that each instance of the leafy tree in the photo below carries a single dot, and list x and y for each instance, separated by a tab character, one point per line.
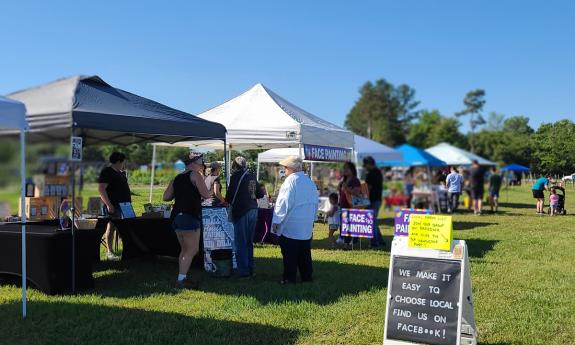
517	125
383	112
432	128
554	148
474	102
494	122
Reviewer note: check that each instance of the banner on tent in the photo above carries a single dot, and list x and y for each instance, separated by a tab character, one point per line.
326	153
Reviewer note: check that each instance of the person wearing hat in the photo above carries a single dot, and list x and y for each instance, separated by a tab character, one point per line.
214	186
294	214
242	195
187	190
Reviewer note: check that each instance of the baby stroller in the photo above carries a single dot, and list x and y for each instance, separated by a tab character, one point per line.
561	203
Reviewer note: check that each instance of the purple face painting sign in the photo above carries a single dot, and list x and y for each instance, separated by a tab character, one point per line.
401	221
357	223
326	153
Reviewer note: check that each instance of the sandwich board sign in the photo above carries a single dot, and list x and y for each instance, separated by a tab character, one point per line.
429	297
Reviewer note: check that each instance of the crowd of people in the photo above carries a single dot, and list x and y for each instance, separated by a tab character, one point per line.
295	207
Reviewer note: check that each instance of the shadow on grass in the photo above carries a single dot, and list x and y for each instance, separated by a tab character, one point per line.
459	225
517	205
332	280
75	323
477	248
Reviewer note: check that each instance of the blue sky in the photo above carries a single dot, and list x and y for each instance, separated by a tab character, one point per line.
193	55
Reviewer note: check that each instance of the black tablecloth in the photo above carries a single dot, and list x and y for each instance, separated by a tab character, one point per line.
49	255
147	237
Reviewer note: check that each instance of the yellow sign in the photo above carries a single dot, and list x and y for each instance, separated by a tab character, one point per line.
430	231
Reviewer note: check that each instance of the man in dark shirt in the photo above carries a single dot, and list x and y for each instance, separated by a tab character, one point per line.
113	188
477	186
242	195
374	181
494	186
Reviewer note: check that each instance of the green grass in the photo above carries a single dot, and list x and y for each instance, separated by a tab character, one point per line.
522	273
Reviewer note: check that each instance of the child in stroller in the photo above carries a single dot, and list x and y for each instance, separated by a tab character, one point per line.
560	207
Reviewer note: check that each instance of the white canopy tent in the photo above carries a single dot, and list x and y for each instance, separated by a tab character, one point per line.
452	155
13	117
261	119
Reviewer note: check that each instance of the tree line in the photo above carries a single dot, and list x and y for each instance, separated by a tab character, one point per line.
391	115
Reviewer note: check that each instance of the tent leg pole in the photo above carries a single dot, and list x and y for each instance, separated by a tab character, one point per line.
153	172
23	215
73	209
258	171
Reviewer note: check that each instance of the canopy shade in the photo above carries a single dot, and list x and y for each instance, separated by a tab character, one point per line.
12	114
261	119
364	147
455	156
413	157
102	113
515	168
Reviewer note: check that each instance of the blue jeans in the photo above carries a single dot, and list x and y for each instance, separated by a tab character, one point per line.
244	229
377	239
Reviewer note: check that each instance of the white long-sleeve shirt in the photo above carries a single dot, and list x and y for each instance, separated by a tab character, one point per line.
296	207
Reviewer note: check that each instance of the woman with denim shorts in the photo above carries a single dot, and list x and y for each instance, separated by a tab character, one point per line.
187	191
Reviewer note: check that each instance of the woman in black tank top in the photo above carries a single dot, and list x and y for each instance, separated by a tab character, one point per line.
187	191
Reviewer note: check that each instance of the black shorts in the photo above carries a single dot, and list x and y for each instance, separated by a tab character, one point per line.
477	193
538	194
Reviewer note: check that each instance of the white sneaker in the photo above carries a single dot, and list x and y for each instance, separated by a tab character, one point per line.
112	257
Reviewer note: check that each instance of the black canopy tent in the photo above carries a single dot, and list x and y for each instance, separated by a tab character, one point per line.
88	107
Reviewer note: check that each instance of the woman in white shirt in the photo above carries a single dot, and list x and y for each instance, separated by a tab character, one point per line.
294	214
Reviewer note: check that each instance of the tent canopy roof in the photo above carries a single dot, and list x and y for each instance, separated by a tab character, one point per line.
515	167
412	157
364	147
12	114
102	113
261	119
455	156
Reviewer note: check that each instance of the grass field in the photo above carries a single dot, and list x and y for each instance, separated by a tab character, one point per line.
522	273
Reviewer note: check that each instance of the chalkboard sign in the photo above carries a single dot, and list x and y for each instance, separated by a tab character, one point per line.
424	300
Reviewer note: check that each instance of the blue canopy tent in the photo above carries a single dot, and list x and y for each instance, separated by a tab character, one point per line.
412	157
515	168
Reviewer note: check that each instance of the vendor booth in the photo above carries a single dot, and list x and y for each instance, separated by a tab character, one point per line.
85	110
13	117
428	194
261	119
452	155
513	174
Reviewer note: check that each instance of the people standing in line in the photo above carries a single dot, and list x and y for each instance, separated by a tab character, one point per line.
409	184
495	181
374	181
477	179
294	214
349	187
333	218
242	195
187	190
114	189
540	185
454	184
553	202
214	186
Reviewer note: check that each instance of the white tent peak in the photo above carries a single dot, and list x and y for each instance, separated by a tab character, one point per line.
452	155
260	118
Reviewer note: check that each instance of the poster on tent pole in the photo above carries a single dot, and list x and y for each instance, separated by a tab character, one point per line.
76	149
326	153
